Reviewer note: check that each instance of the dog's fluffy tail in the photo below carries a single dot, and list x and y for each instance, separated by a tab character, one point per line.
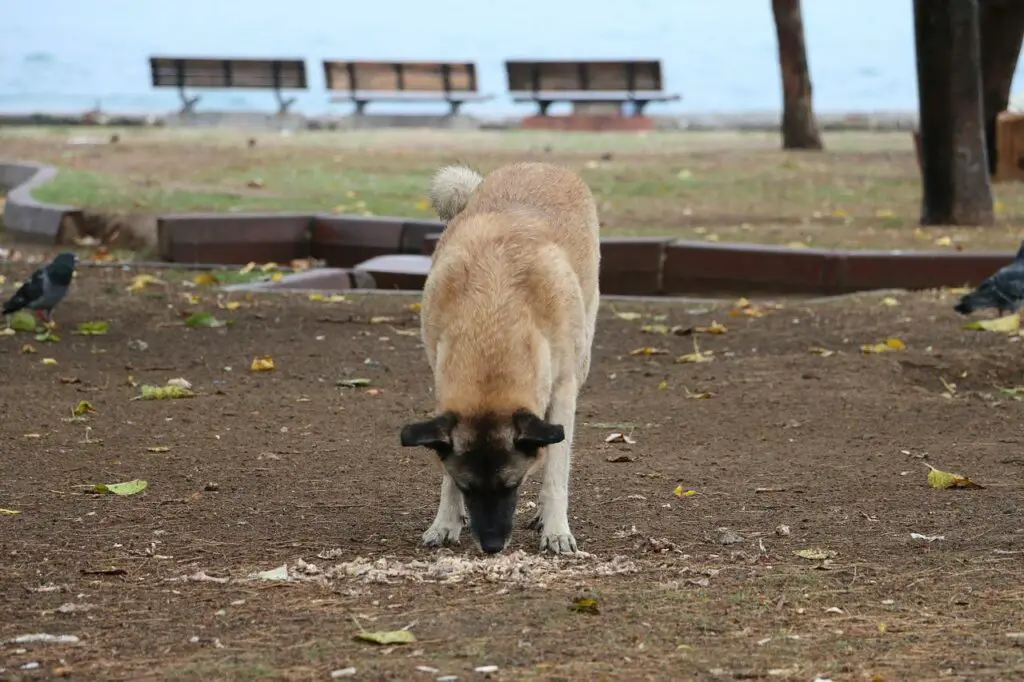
451	189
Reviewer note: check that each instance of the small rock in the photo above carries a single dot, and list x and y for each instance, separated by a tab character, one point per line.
782	530
343	672
486	669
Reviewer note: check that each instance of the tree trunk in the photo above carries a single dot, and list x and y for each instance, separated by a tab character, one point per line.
954	173
799	127
1001	26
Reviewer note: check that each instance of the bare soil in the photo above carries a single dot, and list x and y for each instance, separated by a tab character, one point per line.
286	467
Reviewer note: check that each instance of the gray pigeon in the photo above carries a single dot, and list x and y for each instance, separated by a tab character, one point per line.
1004	290
45	288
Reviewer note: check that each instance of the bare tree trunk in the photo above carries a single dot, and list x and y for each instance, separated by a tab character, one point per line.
954	174
799	127
1001	26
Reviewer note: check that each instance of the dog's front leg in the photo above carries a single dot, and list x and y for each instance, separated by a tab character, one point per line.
553	516
451	515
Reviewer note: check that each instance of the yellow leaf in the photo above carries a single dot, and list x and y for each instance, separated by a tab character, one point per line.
414	307
654	329
840	213
140	282
205	279
889	345
3	280
277	277
1008	324
648	350
83	407
797	245
702	356
1000	208
944	479
28	348
423	205
267	267
9	512
680	491
585	605
191	298
387	637
884	213
33	436
169	392
890	301
741	303
48	361
944	241
815	554
823	352
713	328
662	385
702	395
628	316
229	305
262	364
333	298
380	319
249	267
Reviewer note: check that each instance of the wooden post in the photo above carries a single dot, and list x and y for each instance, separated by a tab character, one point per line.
955	171
799	127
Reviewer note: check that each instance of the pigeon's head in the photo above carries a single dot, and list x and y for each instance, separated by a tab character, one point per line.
64	263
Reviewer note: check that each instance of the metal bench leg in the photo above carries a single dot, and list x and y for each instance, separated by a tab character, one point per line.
360	106
282	103
188	104
455	106
639	105
544	105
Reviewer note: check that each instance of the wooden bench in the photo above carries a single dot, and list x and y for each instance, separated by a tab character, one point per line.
452	82
591	86
181	73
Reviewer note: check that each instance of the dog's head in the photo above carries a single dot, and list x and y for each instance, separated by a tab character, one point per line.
487	456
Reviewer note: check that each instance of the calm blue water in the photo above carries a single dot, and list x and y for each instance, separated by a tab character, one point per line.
65	55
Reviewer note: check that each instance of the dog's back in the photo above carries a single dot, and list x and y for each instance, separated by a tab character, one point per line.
514	282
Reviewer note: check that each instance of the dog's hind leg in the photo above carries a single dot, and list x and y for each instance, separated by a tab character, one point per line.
451	514
553	516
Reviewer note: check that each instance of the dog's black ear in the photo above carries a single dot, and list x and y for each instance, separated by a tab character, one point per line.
532	432
434	433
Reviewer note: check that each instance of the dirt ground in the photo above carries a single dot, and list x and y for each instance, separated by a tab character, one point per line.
792	451
862	192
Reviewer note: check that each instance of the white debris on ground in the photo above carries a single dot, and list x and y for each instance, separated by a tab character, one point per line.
43	637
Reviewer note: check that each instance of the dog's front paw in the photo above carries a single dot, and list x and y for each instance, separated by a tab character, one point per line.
558	542
440	534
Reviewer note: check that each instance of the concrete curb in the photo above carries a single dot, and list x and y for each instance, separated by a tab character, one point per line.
24	215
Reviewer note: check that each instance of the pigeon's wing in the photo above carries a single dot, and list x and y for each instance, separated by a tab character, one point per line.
30	291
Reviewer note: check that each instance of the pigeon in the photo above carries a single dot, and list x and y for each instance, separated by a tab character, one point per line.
45	288
1004	290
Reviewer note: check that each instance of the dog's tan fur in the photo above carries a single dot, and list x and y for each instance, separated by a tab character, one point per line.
508	316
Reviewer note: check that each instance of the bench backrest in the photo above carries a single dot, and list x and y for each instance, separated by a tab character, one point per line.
582	76
400	76
228	73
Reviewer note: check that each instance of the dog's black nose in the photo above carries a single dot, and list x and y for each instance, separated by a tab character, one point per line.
492	545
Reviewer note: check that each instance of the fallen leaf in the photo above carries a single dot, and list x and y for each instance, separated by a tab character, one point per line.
823	352
619	438
48	361
150	392
926	538
949	386
206	279
158	448
713	328
1008	324
140	282
28	348
944	479
23	321
70	380
414	307
9	512
204	319
889	345
648	350
585	605
277	277
628	316
264	363
127	488
816	554
7	331
386	636
83	407
353	383
680	491
229	305
47	337
193	299
884	213
380	319
944	241
247	268
33	436
92	328
662	385
654	329
333	298
890	301
701	395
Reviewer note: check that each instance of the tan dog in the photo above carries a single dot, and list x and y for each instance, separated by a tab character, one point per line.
508	317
